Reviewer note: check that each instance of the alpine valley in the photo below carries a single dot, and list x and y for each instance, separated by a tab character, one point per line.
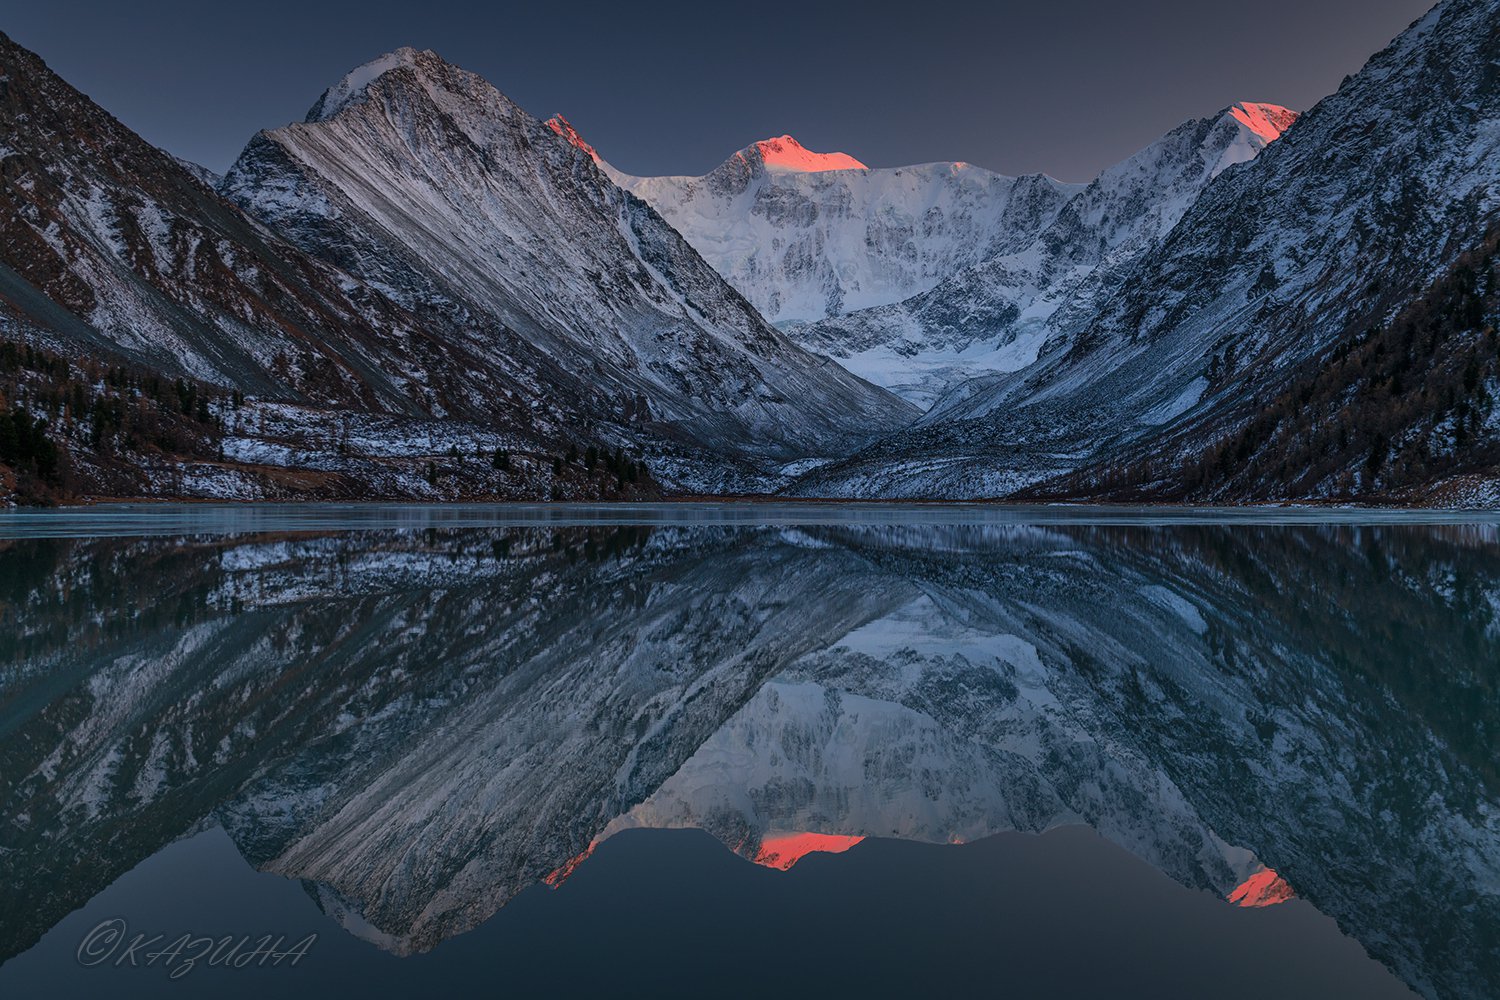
421	291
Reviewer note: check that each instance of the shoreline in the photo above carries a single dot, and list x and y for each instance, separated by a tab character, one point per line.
760	499
157	519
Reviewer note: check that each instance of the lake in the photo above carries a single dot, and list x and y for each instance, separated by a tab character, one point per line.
748	749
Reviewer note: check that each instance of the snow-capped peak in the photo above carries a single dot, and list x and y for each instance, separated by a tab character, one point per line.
1266	120
786	153
353	85
459	201
805	236
1254	127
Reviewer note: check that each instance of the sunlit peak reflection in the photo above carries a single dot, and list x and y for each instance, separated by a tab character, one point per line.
1264	888
782	850
562	872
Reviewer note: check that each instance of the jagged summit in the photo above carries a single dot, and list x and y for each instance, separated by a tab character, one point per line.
785	153
1268	121
991	317
420	79
352	87
815	237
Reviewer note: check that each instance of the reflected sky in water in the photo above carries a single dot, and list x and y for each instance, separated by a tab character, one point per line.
705	744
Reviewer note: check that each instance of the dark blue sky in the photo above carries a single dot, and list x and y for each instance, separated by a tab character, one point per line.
1063	86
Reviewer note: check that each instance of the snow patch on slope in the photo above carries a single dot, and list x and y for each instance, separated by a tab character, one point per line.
352	87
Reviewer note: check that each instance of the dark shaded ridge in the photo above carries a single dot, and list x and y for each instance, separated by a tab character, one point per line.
1398	411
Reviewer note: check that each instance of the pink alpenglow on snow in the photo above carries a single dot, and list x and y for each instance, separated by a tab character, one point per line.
786	153
564	128
1266	120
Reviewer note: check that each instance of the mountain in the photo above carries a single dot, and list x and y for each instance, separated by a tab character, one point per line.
119	258
1326	236
423	180
422	291
338	374
1324	326
128	285
1404	411
805	236
109	244
993	316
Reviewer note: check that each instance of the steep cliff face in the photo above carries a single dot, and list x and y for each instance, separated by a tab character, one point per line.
118	259
426	182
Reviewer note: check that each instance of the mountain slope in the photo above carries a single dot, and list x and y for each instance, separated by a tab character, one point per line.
805	235
1330	231
1326	249
108	242
118	256
426	182
1404	410
994	315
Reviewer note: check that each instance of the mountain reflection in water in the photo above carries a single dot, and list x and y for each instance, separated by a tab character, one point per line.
421	724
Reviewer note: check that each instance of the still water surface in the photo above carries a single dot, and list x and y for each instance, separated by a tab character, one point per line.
770	749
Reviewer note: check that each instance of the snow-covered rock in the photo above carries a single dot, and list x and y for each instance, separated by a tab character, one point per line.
119	250
805	236
113	251
426	182
993	316
1329	231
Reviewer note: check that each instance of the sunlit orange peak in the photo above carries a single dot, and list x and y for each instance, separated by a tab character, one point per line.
1266	120
1264	888
564	128
786	153
782	850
